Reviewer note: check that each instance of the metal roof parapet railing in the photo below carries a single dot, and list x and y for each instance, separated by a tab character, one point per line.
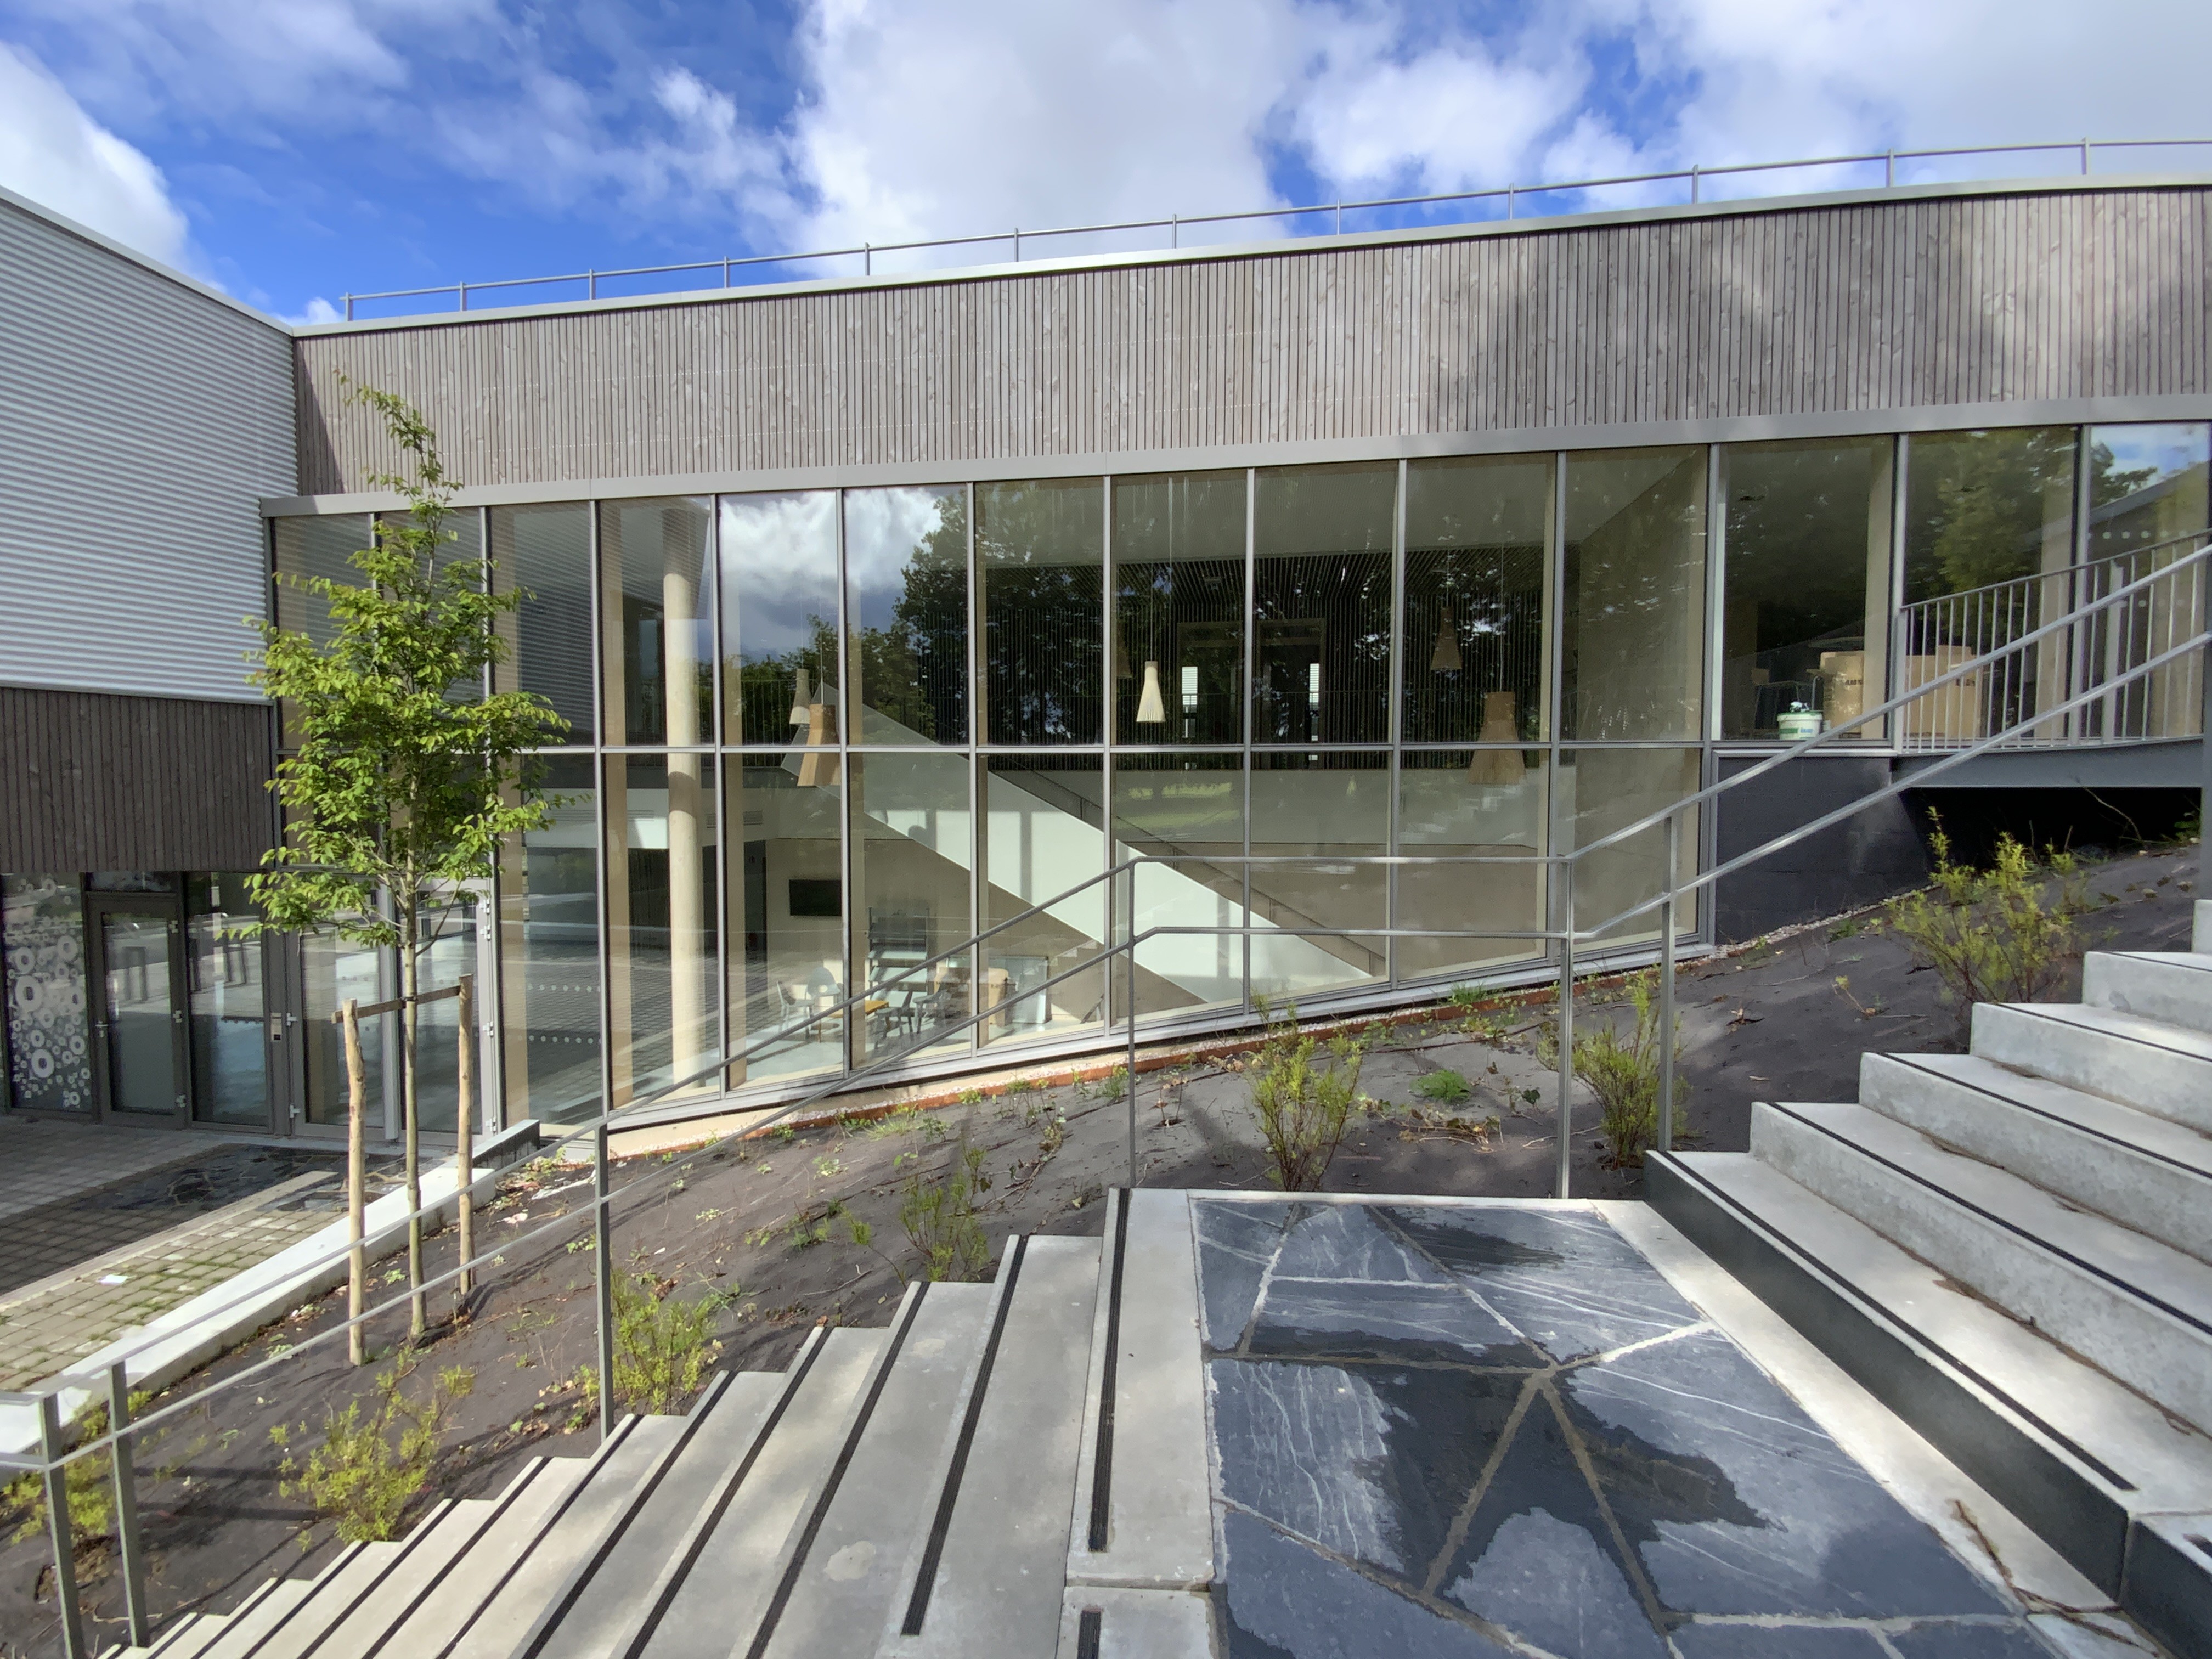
52	1460
1694	175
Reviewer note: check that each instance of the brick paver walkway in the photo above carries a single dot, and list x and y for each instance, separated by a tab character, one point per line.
62	1321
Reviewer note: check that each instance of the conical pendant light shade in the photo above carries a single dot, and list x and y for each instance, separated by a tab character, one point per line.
799	697
1151	709
1445	659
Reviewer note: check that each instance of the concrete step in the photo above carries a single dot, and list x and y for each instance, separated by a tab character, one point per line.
188	1638
254	1618
334	1591
1098	1622
2145	1172
2171	987
444	1609
839	1569
986	1581
588	1613
2088	1463
2200	933
523	1584
708	1599
2139	1309
2161	1069
1143	1514
430	1546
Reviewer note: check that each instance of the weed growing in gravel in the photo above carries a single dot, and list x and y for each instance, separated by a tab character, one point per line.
1993	935
90	1483
1302	1094
1622	1071
1445	1085
939	1215
662	1347
369	1470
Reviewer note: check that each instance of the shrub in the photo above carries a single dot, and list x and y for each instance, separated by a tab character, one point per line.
662	1347
368	1471
1302	1094
1622	1071
940	1218
91	1483
1994	935
1445	1085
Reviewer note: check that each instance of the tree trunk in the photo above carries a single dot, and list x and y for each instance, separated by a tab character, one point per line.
356	1114
409	973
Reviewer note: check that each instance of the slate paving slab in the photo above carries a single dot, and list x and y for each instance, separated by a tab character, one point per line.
1491	1428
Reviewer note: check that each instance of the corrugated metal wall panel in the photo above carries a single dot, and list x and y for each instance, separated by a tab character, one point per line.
1854	306
144	420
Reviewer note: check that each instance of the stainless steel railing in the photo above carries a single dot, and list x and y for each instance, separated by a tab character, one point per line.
1291	218
1565	930
2017	687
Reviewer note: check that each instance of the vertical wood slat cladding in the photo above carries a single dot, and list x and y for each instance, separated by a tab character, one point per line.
89	781
1910	303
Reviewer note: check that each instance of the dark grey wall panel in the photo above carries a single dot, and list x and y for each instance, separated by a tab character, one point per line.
1866	857
143	417
92	783
1894	303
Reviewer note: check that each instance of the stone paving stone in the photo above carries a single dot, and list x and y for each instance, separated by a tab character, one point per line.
1457	1429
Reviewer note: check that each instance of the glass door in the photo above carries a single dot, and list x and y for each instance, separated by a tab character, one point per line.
139	1031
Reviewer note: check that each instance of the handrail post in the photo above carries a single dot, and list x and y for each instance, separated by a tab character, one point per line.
1694	183
1131	1011
603	1279
1566	1025
2204	716
348	307
1667	985
56	1479
464	1129
1889	170
126	1504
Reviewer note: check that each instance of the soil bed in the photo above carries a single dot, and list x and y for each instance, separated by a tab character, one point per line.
765	1226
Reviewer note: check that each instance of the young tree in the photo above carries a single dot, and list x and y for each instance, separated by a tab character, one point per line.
406	776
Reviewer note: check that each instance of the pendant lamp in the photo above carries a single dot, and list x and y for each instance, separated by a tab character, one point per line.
1445	659
800	699
1152	708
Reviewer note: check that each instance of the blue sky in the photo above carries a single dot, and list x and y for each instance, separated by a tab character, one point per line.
291	150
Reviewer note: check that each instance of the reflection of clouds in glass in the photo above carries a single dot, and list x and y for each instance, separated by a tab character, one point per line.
2165	450
779	571
883	528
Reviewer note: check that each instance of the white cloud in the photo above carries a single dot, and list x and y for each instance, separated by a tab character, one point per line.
52	152
317	310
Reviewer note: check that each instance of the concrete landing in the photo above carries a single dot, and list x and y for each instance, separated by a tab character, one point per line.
1469	1428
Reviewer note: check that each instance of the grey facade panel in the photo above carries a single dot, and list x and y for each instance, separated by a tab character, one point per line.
145	418
101	782
1798	311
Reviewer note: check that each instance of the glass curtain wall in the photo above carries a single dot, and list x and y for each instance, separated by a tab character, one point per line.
229	1003
1179	609
1478	595
2147	488
656	621
42	957
1044	833
911	844
786	864
1477	803
1040	581
1633	615
1806	588
1989	542
552	976
1321	538
1187	809
664	964
779	598
906	605
1312	809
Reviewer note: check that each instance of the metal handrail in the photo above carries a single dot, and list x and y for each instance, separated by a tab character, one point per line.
52	1459
1694	176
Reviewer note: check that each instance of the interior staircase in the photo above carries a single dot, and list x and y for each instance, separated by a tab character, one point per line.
1015	1469
2012	1248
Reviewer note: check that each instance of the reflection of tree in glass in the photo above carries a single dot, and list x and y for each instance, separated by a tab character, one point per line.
2109	481
767	684
1994	494
1039	547
913	671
